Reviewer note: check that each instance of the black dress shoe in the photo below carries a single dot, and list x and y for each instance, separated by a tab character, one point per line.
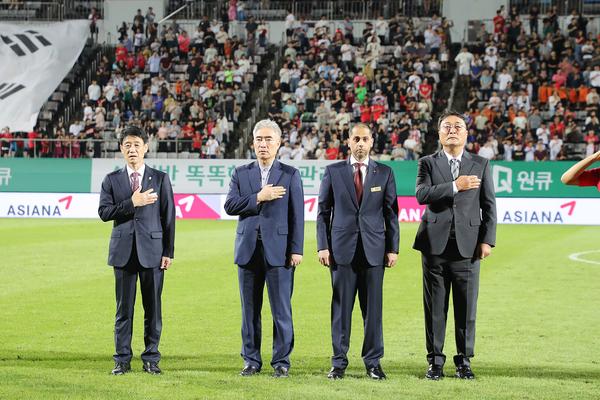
376	373
121	368
464	372
280	372
249	370
434	372
336	373
151	367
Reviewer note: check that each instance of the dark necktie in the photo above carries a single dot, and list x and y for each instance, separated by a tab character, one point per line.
358	183
454	168
135	181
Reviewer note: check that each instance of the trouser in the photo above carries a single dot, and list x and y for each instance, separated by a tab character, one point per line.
346	281
151	283
450	271
280	284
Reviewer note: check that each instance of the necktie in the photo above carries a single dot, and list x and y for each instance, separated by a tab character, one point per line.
135	181
264	176
454	168
358	183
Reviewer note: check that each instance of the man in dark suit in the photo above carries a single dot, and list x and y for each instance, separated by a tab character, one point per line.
458	229
357	237
268	198
139	200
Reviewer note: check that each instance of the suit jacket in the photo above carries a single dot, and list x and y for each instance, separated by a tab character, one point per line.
153	225
474	210
281	221
340	219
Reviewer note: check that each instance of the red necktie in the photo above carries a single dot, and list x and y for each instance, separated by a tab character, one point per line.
358	183
135	182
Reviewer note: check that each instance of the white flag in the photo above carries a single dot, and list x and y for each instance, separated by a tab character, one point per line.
35	60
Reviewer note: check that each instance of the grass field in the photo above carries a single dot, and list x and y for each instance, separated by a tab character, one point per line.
538	322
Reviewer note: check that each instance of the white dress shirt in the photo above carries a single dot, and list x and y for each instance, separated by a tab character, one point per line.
459	158
363	169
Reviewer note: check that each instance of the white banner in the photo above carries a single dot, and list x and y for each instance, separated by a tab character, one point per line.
210	206
35	60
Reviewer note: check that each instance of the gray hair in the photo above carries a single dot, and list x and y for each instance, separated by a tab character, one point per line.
269	124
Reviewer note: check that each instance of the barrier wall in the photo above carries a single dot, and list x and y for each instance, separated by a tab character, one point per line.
511	179
527	192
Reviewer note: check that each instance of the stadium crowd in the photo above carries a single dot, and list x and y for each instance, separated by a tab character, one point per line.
177	85
332	76
533	92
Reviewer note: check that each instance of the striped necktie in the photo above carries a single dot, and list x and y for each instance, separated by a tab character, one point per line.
454	168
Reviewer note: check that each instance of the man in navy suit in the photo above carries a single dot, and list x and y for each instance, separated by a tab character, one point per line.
139	200
458	229
268	198
357	237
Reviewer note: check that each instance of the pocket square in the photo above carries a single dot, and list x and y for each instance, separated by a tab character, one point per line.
376	189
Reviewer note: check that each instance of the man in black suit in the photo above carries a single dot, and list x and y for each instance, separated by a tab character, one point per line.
458	229
357	238
139	200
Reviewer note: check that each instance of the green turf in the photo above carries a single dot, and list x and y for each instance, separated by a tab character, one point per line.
537	328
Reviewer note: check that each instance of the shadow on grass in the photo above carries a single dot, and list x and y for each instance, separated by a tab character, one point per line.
313	367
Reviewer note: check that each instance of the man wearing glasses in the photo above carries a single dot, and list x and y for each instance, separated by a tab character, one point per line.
267	197
458	229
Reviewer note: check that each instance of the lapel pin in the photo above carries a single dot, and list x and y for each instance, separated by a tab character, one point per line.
149	178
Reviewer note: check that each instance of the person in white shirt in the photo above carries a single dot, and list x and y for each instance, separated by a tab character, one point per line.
75	128
285	151
595	76
487	151
382	29
464	59
555	147
503	79
212	147
543	133
94	91
298	152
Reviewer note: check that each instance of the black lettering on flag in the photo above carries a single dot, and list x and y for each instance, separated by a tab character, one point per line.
26	41
9	89
15	47
42	39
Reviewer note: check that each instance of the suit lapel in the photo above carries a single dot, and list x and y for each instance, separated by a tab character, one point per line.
369	180
443	165
124	181
348	178
466	164
275	173
254	177
147	179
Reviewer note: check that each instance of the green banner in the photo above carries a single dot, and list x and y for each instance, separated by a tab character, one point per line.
511	179
45	175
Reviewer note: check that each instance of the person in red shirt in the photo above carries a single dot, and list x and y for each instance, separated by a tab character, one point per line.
499	22
141	62
197	142
365	113
425	90
557	127
579	175
332	152
31	148
376	110
184	44
120	53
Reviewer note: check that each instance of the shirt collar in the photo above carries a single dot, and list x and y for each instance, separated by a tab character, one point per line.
353	160
139	171
459	158
267	168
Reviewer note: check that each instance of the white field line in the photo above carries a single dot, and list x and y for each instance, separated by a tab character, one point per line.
576	257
